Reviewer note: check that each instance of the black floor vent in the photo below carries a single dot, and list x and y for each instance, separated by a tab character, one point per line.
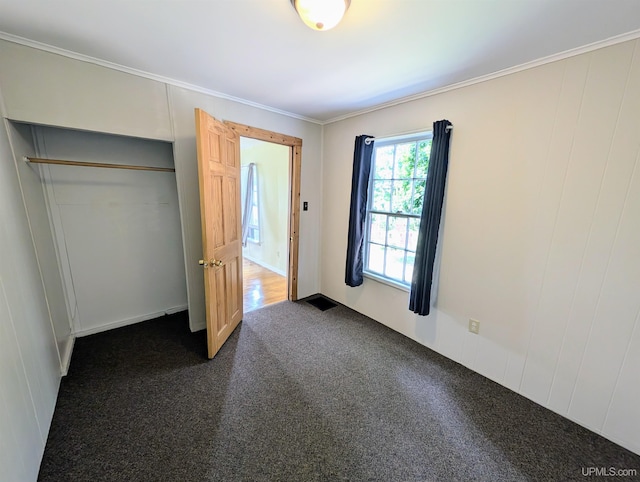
321	302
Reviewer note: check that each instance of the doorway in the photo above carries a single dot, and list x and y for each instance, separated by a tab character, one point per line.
264	198
288	209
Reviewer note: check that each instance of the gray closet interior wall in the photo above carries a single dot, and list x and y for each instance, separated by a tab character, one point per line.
117	232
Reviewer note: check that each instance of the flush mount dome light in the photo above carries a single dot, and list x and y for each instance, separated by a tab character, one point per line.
321	14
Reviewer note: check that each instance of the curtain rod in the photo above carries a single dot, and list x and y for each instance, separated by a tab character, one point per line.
38	160
369	140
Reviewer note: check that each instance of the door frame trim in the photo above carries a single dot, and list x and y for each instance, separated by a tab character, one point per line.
295	164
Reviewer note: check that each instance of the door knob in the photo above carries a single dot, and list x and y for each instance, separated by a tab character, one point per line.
216	262
203	263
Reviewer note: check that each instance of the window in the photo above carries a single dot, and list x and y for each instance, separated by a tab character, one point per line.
396	191
254	217
250	217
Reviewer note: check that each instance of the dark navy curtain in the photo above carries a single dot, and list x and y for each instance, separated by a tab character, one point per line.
420	297
359	188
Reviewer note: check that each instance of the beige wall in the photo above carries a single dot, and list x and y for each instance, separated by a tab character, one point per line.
272	163
44	88
540	236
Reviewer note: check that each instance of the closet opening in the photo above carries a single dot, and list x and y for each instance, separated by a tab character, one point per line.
115	231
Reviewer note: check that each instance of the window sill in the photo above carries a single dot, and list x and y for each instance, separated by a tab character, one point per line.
386	281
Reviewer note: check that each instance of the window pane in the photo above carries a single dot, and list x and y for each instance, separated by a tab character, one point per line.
412	242
418	196
378	228
376	258
424	150
253	219
397	235
402	197
381	195
408	270
394	265
383	168
405	160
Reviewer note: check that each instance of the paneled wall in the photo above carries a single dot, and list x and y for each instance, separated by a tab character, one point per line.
30	179
540	237
43	88
29	362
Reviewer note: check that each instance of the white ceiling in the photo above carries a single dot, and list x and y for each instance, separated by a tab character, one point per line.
260	51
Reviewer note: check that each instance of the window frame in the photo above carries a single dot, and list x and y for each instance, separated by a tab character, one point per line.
426	135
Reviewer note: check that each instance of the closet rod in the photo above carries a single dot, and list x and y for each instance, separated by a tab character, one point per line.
37	160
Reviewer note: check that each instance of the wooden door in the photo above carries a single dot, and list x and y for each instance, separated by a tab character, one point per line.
219	179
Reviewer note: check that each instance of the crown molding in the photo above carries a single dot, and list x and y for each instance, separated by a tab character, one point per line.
141	73
633	35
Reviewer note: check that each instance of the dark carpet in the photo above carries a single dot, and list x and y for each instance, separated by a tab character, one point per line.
297	394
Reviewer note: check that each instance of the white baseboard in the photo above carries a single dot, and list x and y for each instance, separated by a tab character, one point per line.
66	356
265	265
176	309
128	321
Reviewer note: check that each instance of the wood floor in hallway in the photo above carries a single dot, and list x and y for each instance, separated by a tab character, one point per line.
262	287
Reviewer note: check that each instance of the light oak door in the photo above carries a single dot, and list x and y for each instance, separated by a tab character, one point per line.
219	179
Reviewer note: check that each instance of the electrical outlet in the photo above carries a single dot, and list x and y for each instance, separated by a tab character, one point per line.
474	326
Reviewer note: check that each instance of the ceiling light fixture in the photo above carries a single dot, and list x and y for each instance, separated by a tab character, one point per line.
321	14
